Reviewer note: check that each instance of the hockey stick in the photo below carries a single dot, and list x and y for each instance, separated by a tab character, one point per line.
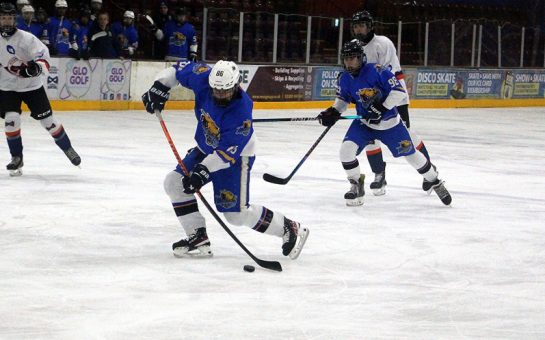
277	180
296	119
272	265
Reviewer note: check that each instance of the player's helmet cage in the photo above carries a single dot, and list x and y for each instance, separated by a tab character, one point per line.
7	10
361	17
224	79
354	48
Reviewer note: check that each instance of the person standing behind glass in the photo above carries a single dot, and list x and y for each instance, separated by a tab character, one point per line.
102	43
180	38
126	35
28	23
80	34
59	29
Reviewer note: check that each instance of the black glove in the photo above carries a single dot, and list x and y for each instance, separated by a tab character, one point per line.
30	69
73	53
329	117
194	182
156	97
192	56
375	111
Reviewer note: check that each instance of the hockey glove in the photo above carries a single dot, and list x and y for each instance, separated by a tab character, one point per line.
156	97
31	69
375	111
194	182
192	56
329	117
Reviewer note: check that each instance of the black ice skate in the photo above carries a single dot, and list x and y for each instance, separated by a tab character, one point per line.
354	196
294	238
379	184
196	245
439	187
73	156
15	166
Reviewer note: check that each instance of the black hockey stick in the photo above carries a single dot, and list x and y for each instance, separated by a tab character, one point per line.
272	265
296	119
277	180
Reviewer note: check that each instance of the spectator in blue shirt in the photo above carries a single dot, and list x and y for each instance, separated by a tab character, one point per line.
126	35
59	29
180	38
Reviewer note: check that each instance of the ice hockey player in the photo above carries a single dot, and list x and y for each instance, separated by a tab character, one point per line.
224	155
376	92
381	50
24	58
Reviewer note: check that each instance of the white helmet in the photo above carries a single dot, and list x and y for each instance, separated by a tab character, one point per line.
99	1
128	14
27	8
22	2
61	4
224	75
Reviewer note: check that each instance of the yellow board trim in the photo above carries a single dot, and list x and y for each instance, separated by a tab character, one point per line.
98	105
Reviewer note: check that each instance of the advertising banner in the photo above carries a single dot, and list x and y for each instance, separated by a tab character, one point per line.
116	75
324	82
277	84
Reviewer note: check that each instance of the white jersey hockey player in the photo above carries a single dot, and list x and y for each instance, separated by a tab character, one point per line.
380	49
23	61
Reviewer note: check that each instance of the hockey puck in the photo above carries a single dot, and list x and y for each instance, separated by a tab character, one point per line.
249	269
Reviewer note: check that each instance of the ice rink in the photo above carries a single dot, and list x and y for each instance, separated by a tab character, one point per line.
86	253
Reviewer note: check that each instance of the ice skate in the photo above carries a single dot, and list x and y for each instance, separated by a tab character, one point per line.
294	238
354	196
439	187
196	245
73	156
379	184
15	166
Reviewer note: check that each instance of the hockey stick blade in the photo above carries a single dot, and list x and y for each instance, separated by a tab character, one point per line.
276	180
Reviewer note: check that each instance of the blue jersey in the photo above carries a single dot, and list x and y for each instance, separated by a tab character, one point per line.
223	130
128	31
80	34
373	83
179	37
34	28
60	33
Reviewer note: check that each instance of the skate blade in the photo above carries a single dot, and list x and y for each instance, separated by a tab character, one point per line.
201	252
16	173
379	192
355	202
296	251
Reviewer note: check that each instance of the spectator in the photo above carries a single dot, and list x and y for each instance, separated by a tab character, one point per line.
96	8
102	43
28	23
20	5
59	29
41	19
180	38
126	35
80	31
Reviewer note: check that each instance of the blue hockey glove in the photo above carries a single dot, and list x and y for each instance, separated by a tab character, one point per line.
30	69
156	97
329	117
375	111
194	182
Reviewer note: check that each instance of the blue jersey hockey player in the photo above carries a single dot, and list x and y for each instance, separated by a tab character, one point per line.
224	155
376	92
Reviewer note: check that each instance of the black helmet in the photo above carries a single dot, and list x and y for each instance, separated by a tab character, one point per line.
7	8
361	17
354	48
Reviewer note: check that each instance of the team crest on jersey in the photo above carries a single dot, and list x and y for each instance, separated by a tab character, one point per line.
404	146
10	49
368	94
178	39
211	129
200	68
226	199
245	128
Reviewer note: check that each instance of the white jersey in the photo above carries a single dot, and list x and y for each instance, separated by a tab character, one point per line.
381	50
16	50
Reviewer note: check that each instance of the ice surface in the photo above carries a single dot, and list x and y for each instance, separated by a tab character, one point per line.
86	254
